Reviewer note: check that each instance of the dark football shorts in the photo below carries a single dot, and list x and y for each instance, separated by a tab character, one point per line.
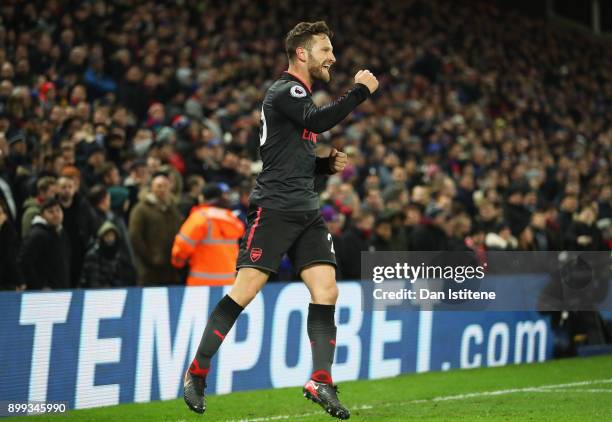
302	235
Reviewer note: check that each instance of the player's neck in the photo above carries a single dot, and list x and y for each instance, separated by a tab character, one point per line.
302	74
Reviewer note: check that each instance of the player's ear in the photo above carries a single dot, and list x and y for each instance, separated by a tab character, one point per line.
301	54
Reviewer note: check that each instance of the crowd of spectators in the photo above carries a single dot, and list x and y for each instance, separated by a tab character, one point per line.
490	130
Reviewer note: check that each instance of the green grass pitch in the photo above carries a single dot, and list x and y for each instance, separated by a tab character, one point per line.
562	390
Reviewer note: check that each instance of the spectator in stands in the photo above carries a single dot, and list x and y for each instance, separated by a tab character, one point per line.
381	239
567	208
201	161
154	221
583	234
45	253
544	238
10	273
413	218
434	234
488	215
460	228
46	188
106	264
96	158
515	212
100	201
109	176
357	239
137	180
191	197
78	224
524	236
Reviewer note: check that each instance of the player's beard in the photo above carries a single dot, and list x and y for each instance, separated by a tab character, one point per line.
317	71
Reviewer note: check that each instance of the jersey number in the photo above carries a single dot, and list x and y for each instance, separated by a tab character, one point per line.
263	130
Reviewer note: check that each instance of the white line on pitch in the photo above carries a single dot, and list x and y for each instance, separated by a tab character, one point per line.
535	389
581	390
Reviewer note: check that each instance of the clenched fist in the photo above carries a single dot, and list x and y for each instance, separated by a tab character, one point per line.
368	79
337	160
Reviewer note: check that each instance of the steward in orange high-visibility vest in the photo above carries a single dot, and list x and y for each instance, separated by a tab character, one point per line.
208	242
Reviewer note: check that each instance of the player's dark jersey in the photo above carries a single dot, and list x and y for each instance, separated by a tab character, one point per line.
290	122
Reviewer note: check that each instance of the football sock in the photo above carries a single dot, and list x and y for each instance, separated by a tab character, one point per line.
220	322
322	334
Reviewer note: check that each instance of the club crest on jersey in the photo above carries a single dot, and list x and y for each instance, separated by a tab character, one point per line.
256	253
297	91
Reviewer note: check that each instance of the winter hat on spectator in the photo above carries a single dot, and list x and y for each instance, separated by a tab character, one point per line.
180	122
106	227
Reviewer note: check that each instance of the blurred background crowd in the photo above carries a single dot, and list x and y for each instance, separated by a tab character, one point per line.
490	131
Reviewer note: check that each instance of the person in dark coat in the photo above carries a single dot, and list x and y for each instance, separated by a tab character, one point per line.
515	212
382	240
432	235
413	213
78	224
355	240
191	197
583	234
45	254
10	273
544	238
201	161
567	207
106	264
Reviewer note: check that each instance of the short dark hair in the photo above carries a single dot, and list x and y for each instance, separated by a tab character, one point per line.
97	194
301	36
49	203
193	181
104	170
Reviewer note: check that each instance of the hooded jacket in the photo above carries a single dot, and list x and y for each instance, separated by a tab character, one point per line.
45	256
107	265
31	208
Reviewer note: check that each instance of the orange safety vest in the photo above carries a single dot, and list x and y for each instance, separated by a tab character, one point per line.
208	240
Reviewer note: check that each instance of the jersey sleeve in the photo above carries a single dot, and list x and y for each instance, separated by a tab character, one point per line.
293	102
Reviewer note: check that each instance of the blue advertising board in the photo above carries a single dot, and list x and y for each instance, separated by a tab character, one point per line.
103	347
